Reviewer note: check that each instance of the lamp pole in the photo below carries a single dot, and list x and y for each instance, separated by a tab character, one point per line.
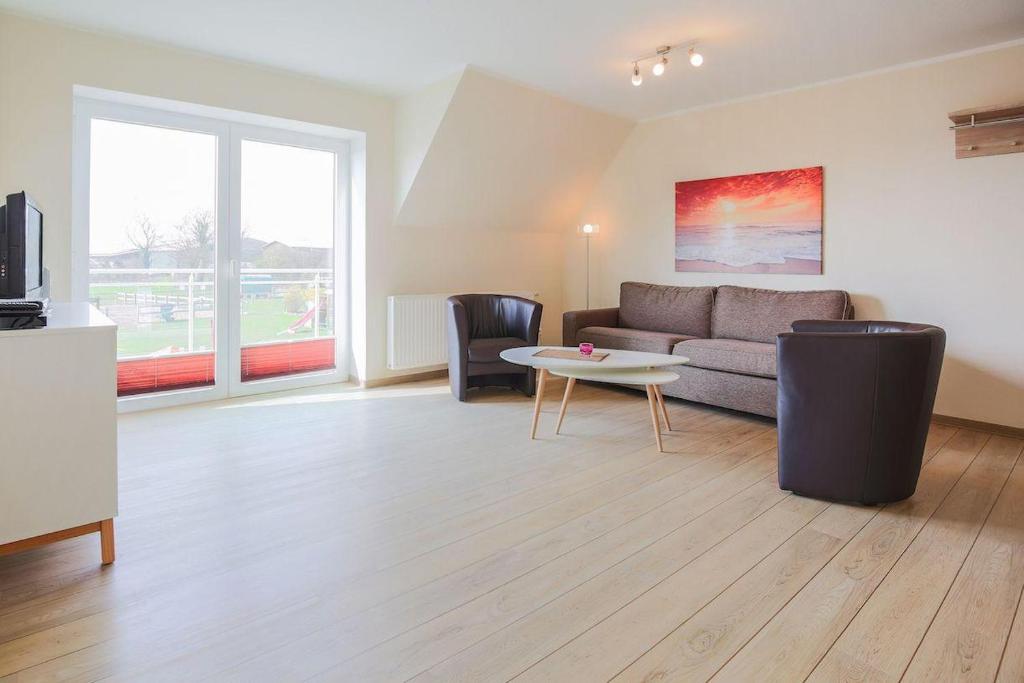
587	231
588	272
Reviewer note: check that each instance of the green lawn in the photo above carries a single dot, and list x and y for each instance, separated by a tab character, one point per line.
263	320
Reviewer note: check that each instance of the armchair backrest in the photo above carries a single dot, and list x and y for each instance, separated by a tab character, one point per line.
499	315
870	384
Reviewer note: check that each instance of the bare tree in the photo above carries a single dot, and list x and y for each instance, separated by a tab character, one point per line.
145	237
196	238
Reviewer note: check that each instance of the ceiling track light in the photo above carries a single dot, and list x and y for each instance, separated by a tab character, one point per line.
660	58
659	66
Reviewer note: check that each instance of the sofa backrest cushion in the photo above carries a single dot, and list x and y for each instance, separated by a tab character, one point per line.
663	308
761	314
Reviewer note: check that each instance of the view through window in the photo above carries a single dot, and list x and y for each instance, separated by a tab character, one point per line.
155	245
287	274
152	251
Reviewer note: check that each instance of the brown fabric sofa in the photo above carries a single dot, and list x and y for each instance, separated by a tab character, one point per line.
727	332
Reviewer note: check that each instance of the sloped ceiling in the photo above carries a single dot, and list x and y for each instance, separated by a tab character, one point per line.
417	118
505	157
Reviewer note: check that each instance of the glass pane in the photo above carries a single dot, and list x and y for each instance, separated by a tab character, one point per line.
152	251
287	273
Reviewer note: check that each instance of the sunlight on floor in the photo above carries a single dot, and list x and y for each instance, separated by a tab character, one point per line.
336	393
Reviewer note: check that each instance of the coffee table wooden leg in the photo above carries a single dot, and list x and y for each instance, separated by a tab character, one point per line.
652	401
664	409
569	384
542	375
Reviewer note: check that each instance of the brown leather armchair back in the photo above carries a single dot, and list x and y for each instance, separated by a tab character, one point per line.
855	401
482	325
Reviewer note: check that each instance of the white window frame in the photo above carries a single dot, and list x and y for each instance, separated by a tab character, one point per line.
231	128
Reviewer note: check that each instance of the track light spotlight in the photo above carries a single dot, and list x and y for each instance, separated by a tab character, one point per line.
660	59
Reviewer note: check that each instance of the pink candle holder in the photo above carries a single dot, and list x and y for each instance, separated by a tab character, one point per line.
586	348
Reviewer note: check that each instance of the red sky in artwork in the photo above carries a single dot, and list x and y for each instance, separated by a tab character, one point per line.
774	198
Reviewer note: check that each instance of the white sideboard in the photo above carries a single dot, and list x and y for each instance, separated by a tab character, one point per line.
58	430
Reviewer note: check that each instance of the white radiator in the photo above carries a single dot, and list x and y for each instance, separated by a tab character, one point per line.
418	330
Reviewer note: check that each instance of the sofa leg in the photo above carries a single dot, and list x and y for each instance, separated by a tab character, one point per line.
528	383
459	391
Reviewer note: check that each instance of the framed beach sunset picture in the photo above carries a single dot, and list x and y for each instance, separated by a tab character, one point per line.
755	223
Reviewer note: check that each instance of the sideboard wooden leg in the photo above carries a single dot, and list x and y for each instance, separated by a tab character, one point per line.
107	541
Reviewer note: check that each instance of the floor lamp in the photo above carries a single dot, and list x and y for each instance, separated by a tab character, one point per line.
587	231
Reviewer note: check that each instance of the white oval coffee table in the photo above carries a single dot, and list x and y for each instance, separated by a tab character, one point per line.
618	367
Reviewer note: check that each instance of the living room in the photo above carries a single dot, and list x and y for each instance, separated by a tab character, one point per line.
572	341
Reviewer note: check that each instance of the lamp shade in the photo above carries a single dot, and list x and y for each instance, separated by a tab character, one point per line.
588	229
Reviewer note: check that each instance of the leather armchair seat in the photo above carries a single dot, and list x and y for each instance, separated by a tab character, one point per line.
489	350
480	327
855	402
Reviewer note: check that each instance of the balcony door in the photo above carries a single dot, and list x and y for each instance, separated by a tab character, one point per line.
286	244
217	248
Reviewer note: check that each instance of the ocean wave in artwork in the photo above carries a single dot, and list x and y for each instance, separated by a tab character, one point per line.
748	245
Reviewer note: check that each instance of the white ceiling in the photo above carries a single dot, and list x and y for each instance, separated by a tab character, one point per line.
579	49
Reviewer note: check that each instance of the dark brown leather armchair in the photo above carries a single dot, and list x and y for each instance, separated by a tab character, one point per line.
854	405
481	326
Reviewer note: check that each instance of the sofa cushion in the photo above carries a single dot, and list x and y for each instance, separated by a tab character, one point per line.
760	315
662	308
729	355
487	350
630	340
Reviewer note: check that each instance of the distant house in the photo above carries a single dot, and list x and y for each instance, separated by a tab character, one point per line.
280	255
255	254
132	258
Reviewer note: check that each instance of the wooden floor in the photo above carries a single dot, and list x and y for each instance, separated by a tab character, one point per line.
397	534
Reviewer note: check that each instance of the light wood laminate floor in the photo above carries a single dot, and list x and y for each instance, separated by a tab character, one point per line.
396	534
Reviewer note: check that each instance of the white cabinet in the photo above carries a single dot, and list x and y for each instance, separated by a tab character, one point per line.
58	430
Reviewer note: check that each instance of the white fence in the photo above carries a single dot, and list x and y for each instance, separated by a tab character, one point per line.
194	290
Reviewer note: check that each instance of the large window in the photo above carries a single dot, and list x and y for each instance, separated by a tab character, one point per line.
217	248
153	251
287	284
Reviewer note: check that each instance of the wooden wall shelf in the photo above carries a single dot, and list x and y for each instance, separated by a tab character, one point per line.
984	131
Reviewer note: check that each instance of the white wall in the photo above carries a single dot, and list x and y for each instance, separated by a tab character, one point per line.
911	232
500	183
494	171
41	62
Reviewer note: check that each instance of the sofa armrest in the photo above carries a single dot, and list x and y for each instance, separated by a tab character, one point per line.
574	321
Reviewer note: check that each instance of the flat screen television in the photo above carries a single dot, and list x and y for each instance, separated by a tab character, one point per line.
21	248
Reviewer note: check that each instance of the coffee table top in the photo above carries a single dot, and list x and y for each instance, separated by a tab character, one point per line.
616	360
